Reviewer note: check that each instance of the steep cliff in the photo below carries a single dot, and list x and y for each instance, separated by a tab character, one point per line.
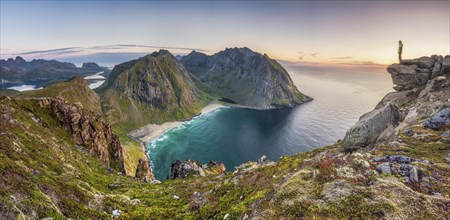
245	77
152	89
423	88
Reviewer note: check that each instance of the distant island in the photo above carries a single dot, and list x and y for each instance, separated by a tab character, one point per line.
40	72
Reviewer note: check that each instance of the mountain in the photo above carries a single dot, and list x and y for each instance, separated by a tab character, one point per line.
74	90
245	77
39	71
152	89
47	171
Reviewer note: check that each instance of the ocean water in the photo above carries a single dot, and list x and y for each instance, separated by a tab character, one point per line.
234	135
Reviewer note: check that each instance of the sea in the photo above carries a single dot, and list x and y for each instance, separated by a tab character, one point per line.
341	92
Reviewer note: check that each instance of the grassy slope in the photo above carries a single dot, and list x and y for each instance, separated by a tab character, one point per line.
74	90
45	173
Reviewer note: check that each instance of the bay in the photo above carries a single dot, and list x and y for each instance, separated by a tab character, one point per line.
342	93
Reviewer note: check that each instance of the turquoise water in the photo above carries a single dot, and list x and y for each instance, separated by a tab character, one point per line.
234	136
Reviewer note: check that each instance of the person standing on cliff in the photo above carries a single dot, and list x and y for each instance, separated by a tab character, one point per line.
400	50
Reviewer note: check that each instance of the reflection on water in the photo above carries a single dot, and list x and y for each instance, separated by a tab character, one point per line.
234	136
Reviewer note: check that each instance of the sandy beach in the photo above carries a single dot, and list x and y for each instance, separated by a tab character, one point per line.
151	131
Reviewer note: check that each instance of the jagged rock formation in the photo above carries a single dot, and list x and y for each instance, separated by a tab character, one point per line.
41	71
88	129
184	169
245	77
154	88
415	72
423	86
144	172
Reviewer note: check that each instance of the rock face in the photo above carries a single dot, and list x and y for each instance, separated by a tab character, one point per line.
183	169
143	171
154	88
369	127
245	77
416	72
423	88
88	129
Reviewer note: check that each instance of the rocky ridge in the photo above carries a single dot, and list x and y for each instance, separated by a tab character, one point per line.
245	77
88	129
152	89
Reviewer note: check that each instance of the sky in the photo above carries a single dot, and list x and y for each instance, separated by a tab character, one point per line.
353	32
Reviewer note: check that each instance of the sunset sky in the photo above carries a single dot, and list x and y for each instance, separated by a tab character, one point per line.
303	31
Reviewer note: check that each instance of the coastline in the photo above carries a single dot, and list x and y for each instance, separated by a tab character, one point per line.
151	131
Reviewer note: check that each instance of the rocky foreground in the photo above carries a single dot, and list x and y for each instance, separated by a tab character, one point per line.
393	164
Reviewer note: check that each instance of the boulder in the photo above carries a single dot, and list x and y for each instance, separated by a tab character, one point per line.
385	168
410	172
439	120
369	127
445	69
184	169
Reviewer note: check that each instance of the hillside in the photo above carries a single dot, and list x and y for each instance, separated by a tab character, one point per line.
404	173
245	77
152	89
74	90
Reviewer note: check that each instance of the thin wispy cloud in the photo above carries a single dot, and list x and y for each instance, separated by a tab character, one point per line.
342	58
58	50
314	54
300	58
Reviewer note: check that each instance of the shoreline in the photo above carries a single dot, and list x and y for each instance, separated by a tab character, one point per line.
149	132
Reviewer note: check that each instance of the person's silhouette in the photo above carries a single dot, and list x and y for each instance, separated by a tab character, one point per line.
400	50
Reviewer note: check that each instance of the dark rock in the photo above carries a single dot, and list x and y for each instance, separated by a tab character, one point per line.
143	171
183	169
407	77
263	160
409	171
439	120
408	132
369	127
445	69
394	159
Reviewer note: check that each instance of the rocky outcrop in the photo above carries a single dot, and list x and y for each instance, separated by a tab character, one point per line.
184	169
439	120
154	88
88	129
370	126
415	72
243	76
143	171
423	89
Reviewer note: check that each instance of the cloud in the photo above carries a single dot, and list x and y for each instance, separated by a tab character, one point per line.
342	58
300	58
58	50
314	54
128	46
300	52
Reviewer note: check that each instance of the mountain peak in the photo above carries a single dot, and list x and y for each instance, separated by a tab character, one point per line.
19	59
